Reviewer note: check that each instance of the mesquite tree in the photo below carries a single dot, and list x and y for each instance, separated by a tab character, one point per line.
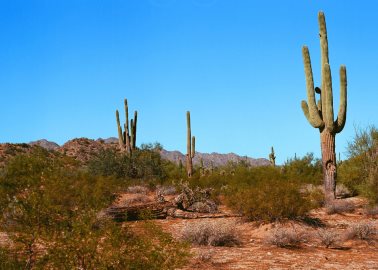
320	114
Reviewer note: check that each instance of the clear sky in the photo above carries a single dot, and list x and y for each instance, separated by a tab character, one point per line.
66	65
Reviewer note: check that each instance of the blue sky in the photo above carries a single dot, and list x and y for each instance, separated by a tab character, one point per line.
66	65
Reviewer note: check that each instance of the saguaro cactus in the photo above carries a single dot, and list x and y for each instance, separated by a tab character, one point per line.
320	115
272	157
127	138
190	147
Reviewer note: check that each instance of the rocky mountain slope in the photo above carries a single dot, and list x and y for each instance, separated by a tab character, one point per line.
82	149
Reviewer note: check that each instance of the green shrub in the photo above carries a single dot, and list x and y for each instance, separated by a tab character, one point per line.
360	172
50	210
144	164
306	169
265	194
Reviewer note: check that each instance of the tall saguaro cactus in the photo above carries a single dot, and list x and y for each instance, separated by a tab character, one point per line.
190	147
272	157
320	115
127	138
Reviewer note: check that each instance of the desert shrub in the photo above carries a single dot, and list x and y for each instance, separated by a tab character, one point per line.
362	231
339	207
360	172
285	238
306	169
328	237
265	194
50	212
212	233
115	247
143	164
314	194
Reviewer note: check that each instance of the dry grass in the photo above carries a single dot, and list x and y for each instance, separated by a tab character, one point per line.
339	207
362	231
286	238
137	190
204	256
212	233
328	238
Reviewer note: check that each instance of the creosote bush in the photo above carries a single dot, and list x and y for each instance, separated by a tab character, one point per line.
212	233
306	169
50	211
145	164
360	172
265	194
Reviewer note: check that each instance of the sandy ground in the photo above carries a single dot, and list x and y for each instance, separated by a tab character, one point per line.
255	253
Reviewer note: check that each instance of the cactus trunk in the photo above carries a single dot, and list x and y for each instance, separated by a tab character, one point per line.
272	158
190	147
328	163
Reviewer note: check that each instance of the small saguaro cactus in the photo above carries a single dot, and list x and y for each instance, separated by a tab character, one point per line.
320	114
190	147
272	157
127	138
202	168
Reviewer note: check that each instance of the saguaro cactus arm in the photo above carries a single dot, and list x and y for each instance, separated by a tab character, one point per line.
188	134
120	134
135	128
193	146
341	116
310	110
328	98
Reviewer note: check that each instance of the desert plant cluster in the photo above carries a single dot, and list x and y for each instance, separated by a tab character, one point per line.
103	211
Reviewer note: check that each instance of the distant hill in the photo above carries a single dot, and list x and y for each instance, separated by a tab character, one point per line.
46	144
83	149
216	158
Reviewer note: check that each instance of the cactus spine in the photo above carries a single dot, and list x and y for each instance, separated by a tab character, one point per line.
272	157
127	138
190	147
320	115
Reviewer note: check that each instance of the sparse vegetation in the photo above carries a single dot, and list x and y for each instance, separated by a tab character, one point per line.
339	207
328	237
212	233
285	238
362	231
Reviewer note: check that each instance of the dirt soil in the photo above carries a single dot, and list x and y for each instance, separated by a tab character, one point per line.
255	253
